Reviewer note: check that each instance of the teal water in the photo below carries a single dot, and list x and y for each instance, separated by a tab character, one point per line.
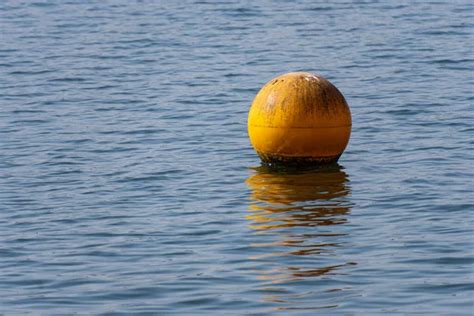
128	185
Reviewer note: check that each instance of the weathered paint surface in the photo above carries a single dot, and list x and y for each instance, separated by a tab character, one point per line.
299	117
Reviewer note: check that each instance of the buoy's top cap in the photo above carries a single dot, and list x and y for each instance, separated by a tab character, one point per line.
300	74
299	77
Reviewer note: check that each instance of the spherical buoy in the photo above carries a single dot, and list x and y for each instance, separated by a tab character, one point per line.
299	119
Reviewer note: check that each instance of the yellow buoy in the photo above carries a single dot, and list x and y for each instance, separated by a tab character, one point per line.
299	118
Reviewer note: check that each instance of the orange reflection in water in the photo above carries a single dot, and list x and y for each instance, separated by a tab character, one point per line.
302	213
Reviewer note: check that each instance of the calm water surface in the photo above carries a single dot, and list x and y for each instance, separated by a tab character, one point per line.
128	184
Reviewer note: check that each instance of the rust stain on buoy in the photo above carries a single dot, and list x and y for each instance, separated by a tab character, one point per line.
299	118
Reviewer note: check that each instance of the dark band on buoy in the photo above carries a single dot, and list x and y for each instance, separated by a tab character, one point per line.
297	161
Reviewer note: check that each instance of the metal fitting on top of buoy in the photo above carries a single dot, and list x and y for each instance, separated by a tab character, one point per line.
299	119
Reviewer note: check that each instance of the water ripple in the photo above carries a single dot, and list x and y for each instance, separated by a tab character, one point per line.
128	185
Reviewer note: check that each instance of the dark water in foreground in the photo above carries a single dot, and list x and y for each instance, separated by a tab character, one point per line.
128	184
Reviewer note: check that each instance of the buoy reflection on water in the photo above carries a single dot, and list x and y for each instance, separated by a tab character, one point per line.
300	217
